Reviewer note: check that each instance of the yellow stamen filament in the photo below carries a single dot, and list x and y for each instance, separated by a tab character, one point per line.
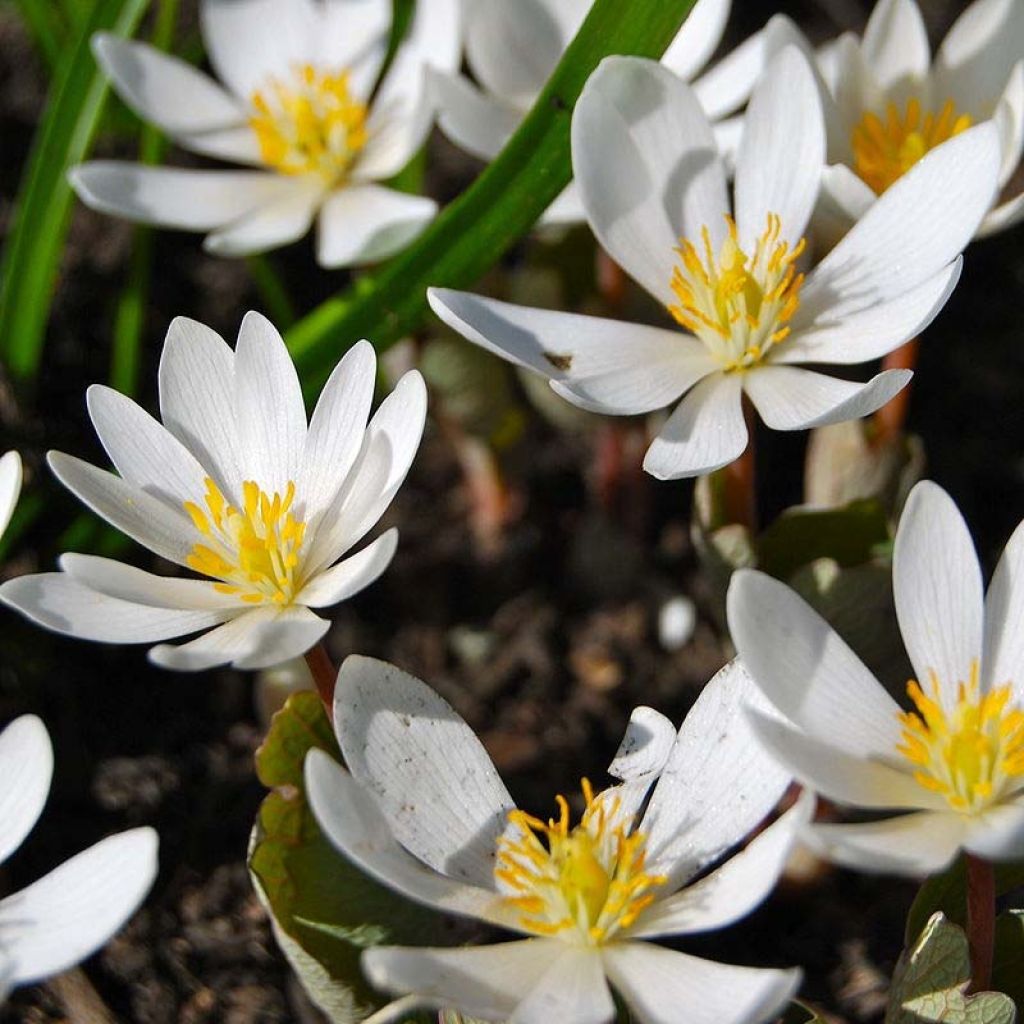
972	754
312	125
884	150
589	879
252	551
738	305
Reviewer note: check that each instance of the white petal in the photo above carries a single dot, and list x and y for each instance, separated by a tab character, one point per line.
145	454
896	46
843	777
481	981
661	986
173	197
998	834
704	433
646	164
855	91
603	365
572	988
352	821
164	90
1002	217
26	767
1009	119
902	241
566	210
142	517
59	602
347	578
781	156
806	670
390	444
912	844
1003	661
475	121
937	587
843	200
645	748
791	398
874	331
430	774
284	220
197	399
733	890
234	145
717	785
698	38
365	223
336	429
349	29
10	487
255	640
269	410
69	913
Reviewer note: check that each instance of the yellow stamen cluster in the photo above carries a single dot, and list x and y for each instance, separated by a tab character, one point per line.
312	125
738	305
589	878
973	754
253	551
884	150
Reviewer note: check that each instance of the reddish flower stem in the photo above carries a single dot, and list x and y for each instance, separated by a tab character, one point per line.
891	418
740	479
324	674
981	920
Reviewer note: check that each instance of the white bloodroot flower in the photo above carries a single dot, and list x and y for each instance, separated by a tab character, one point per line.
10	487
513	48
69	913
234	486
422	810
298	102
654	189
956	759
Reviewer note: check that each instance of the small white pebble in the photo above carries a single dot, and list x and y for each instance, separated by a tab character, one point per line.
677	620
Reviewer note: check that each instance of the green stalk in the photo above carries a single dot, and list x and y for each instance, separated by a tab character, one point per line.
279	306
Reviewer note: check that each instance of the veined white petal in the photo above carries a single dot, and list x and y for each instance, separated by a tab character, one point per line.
731	891
336	430
717	785
475	121
646	746
347	578
704	433
349	30
366	223
352	821
26	767
782	153
10	487
173	197
792	398
431	776
896	47
269	411
255	640
854	91
57	601
1003	217
937	587
998	834
662	986
698	38
806	670
572	988
234	145
72	911
1009	119
1003	659
647	166
916	844
163	89
874	331
843	200
566	210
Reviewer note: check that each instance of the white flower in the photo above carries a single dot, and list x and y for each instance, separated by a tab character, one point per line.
10	487
234	486
956	760
69	913
513	48
298	102
647	167
424	811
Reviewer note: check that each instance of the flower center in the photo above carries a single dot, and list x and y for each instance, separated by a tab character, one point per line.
738	305
312	125
253	551
972	754
589	878
884	150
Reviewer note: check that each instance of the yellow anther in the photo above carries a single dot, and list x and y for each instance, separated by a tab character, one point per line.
885	149
972	754
311	125
738	304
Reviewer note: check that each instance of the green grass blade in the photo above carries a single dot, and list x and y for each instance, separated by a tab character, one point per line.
273	294
32	254
471	234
